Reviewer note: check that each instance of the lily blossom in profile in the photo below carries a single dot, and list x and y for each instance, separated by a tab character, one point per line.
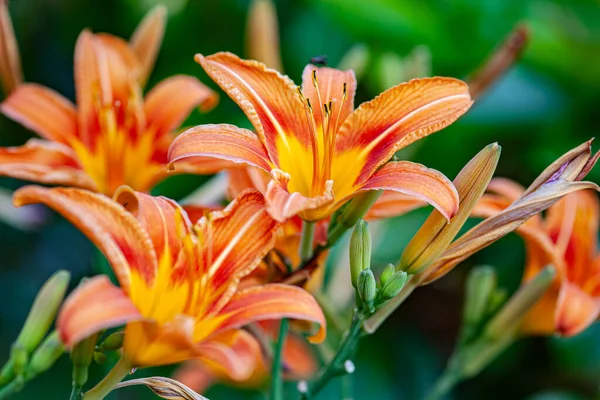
318	150
112	136
179	295
566	238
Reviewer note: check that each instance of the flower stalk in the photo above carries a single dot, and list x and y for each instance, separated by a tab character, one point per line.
276	372
110	381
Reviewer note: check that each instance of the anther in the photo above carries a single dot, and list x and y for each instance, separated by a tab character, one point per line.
314	78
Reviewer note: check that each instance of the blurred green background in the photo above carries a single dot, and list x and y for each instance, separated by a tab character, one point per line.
547	104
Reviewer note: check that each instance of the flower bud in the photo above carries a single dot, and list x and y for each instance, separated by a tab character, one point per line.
394	285
99	357
43	311
114	341
360	250
481	284
46	355
262	34
347	216
386	274
81	356
356	59
367	287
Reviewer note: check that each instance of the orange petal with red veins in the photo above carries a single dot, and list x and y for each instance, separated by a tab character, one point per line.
236	353
269	99
392	204
147	38
87	79
95	305
576	310
234	241
283	205
109	226
225	142
400	116
118	66
330	82
44	162
10	61
241	179
273	301
163	219
43	111
417	180
169	103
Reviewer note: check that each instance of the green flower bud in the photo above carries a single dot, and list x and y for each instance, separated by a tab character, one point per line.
114	341
386	274
367	287
480	285
99	357
394	285
347	216
42	313
360	250
46	355
81	356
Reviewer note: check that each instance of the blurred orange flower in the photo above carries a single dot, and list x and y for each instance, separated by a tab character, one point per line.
179	293
567	239
318	150
112	136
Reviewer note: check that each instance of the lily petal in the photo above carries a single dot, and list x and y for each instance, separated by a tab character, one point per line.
147	38
417	180
95	305
43	111
392	204
109	226
235	353
10	61
400	116
336	87
273	301
44	162
169	103
86	76
269	100
236	240
162	218
576	310
226	142
283	205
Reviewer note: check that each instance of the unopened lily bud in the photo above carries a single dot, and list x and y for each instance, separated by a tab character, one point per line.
10	61
367	287
390	70
360	250
263	34
387	273
356	59
507	320
46	355
346	217
43	311
394	285
481	284
81	356
114	341
99	357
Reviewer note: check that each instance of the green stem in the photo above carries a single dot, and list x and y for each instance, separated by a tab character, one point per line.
277	381
306	242
13	387
336	365
443	385
76	393
383	312
116	375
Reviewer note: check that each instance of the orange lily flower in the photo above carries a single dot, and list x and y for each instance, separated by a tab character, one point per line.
567	239
298	363
179	294
317	150
112	136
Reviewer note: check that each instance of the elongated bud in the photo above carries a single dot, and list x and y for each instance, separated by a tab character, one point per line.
356	59
360	250
263	34
507	320
436	234
81	356
46	355
114	341
99	358
387	273
390	70
10	61
481	284
394	285
147	38
43	311
367	287
350	214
